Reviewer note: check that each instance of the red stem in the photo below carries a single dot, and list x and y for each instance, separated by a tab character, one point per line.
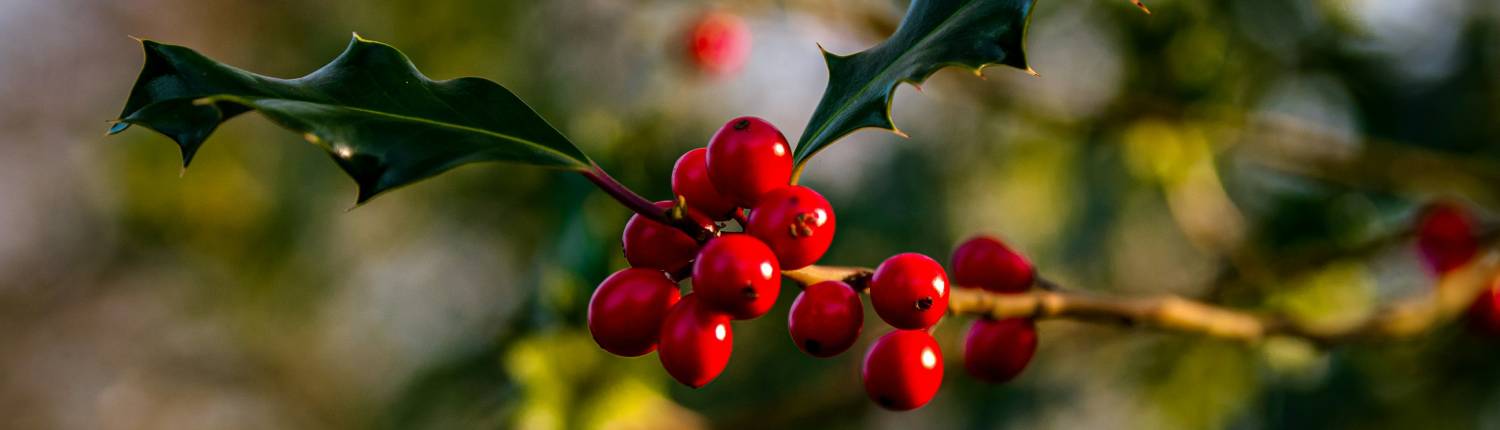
640	205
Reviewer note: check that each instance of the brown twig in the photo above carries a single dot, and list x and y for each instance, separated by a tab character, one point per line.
1402	319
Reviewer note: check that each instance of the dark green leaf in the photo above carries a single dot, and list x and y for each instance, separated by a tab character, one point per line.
934	34
383	122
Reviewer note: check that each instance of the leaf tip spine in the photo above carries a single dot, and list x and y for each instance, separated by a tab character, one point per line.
364	196
187	159
116	126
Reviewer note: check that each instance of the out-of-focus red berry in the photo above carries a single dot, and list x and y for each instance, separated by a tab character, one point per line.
997	350
718	43
1445	237
985	262
1484	313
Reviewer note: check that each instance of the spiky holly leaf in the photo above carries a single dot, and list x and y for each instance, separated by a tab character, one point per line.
933	35
380	119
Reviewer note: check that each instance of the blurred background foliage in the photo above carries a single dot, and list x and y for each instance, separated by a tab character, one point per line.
1245	152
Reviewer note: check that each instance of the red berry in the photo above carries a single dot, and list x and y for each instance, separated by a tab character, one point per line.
690	180
826	319
796	222
985	262
695	342
997	350
738	275
626	311
650	244
1484	313
909	291
748	158
718	43
1445	237
903	370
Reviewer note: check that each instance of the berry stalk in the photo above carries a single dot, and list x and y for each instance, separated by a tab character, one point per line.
644	207
797	172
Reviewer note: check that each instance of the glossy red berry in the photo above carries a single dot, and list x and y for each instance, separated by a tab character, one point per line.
826	319
748	158
695	342
903	370
738	275
1445	237
909	291
718	43
998	350
796	222
650	244
690	180
626	311
985	262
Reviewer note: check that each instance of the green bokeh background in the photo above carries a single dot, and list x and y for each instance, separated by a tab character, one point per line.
1242	152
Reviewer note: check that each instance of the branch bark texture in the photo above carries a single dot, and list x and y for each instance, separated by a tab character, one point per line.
1404	318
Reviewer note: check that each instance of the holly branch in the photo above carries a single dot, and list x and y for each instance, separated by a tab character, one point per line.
1405	318
387	125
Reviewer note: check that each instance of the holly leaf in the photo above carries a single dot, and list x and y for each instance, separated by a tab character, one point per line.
971	34
380	119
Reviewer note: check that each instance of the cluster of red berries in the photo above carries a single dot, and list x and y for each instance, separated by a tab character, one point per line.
1446	239
736	275
904	369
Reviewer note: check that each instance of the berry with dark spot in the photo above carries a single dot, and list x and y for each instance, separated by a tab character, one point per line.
909	291
747	158
738	275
